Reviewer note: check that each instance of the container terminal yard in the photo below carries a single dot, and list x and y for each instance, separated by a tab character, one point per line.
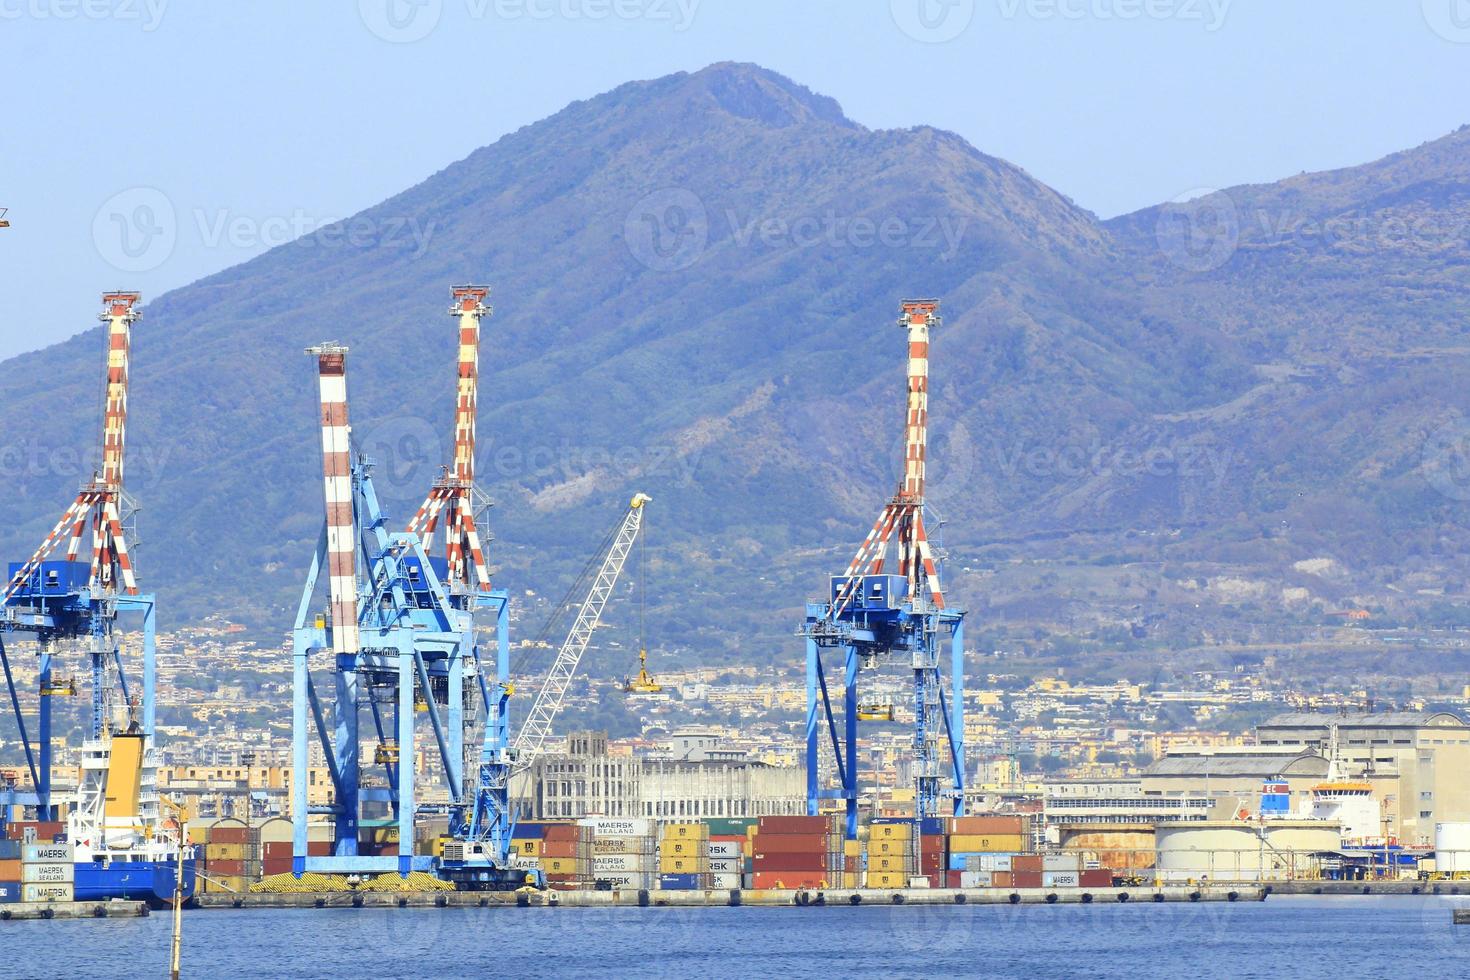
412	714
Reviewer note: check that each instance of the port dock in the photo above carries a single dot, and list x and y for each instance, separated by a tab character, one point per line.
73	910
793	898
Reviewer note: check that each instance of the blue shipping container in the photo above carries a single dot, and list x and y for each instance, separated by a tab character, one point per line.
9	850
9	892
528	831
684	882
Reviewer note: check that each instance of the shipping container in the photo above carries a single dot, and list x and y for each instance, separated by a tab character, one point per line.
792	844
1026	862
676	865
48	874
9	892
726	865
976	879
622	863
790	862
9	850
561	832
1026	879
228	833
48	854
1061	862
889	846
618	826
725	849
223	852
788	879
735	826
626	881
623	845
43	831
1097	878
276	866
10	870
890	862
1007	843
887	879
795	825
526	830
48	892
1061	879
725	880
683	847
682	882
561	865
987	826
988	862
684	831
890	831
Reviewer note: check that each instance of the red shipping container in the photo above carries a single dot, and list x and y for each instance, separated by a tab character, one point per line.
227	835
276	849
727	838
790	862
931	843
1096	878
1025	879
952	879
275	866
1027	862
1001	879
932	864
789	879
561	848
46	830
793	825
319	848
791	844
228	869
562	832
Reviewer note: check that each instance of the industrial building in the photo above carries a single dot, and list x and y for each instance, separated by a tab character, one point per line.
697	778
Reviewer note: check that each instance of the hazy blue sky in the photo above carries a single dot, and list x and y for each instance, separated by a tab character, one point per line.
253	121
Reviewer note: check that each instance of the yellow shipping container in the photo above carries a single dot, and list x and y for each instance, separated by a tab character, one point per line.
852	848
889	862
235	883
887	880
849	879
1001	843
224	852
890	831
671	865
685	831
526	846
889	846
563	866
683	847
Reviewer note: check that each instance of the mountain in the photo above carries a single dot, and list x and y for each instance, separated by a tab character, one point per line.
695	282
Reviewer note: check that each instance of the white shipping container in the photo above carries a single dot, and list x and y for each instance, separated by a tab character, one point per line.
919	881
48	854
988	862
48	874
725	865
626	881
622	845
46	893
618	826
1060	879
1061	862
977	879
725	880
724	849
625	863
525	862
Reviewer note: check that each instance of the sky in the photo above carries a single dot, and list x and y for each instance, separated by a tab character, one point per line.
147	143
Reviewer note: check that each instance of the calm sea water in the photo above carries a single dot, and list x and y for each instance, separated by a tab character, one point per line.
1278	939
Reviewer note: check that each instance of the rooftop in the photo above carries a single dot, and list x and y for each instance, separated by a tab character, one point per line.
1249	766
1367	719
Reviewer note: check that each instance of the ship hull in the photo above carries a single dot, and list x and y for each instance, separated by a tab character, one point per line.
138	881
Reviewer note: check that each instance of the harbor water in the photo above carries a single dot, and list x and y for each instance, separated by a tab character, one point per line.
1300	937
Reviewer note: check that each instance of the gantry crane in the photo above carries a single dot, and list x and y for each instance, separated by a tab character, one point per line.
881	611
74	602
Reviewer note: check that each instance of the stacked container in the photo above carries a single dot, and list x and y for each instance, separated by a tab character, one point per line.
566	856
48	872
9	870
797	852
277	839
228	857
624	852
683	856
892	856
932	853
982	847
730	850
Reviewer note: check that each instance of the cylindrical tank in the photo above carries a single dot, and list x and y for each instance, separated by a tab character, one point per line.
1228	851
1452	847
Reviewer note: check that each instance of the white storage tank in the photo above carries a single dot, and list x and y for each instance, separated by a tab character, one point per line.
1452	847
